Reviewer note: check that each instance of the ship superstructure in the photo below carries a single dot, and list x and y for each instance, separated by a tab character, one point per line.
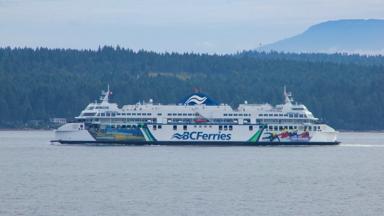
197	119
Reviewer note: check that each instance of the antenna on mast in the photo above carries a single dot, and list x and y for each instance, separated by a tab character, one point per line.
105	95
287	96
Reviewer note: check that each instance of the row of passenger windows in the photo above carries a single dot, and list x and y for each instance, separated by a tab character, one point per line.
285	121
291	127
237	114
251	127
188	120
296	115
135	114
221	127
193	114
230	127
118	114
97	107
183	114
126	126
118	120
185	127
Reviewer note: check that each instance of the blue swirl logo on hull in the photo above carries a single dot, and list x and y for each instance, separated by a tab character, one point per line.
177	136
202	136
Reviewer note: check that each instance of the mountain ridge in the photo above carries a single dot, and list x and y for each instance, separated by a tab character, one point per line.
361	36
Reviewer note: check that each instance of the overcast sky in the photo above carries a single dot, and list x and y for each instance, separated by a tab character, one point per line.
213	26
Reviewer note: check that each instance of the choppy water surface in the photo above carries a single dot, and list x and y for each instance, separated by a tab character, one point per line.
37	178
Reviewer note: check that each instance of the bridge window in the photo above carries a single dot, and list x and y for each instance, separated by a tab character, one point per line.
89	114
154	127
220	127
184	127
250	127
230	127
159	126
225	127
174	127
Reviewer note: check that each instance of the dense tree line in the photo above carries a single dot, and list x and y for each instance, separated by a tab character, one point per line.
37	84
344	58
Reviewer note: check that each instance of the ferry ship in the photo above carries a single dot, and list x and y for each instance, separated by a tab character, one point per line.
196	120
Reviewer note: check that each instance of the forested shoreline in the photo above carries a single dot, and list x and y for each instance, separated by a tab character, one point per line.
39	84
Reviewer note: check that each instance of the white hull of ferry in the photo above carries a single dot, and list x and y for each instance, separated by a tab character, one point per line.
74	133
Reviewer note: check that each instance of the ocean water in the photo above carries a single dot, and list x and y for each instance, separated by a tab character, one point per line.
38	178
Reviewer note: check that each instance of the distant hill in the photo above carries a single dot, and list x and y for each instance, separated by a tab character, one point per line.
350	36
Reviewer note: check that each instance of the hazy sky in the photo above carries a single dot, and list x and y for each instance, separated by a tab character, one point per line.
214	26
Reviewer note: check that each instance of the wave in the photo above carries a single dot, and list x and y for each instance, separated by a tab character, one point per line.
362	145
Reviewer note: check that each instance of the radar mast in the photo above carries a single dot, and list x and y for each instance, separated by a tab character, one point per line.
287	96
105	95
